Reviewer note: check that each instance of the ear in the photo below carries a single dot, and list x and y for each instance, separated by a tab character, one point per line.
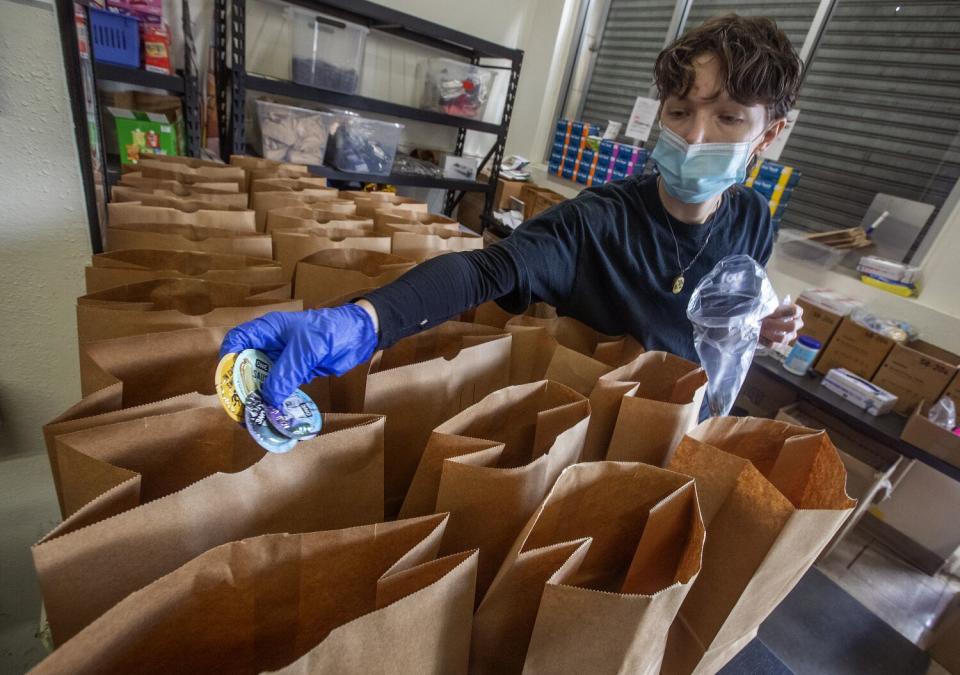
770	135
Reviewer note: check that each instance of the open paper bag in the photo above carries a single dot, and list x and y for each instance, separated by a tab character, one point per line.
491	465
200	215
117	268
104	407
187	238
316	216
439	372
594	580
189	173
172	304
389	215
640	411
370	599
772	496
430	241
136	180
368	204
272	193
213	197
290	246
201	481
334	272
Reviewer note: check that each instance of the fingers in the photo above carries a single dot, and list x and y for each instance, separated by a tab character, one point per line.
780	331
293	367
786	312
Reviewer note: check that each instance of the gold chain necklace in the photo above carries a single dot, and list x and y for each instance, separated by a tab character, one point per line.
680	279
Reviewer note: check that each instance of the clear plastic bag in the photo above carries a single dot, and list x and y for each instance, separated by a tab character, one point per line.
944	414
726	310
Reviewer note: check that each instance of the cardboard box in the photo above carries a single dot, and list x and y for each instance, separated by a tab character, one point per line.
916	372
926	435
506	189
818	323
953	390
470	210
140	132
856	348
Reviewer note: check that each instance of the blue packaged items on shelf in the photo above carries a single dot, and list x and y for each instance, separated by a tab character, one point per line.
587	155
115	38
553	165
775	182
619	175
567	171
858	391
583	175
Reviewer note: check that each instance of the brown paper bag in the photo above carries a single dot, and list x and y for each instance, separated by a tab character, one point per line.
331	273
308	217
153	366
405	217
228	218
171	304
368	205
188	174
257	168
491	465
332	481
272	193
107	270
383	195
136	180
595	578
211	197
103	407
187	238
371	599
491	314
640	411
772	496
430	241
565	351
291	246
442	371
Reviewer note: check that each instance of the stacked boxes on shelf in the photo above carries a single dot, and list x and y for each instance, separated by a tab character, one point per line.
776	183
579	154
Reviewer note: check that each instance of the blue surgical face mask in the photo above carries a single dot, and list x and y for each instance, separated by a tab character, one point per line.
697	173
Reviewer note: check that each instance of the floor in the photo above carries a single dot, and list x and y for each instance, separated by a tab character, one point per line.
903	597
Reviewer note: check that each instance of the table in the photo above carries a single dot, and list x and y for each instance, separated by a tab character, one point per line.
884	429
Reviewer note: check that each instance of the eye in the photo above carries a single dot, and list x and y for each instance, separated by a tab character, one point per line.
676	114
731	119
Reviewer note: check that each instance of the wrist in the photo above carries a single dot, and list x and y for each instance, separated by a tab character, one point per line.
371	311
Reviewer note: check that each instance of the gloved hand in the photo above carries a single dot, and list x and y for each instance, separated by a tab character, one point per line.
305	345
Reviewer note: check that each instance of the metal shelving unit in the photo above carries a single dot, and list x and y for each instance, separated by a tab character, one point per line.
233	83
106	72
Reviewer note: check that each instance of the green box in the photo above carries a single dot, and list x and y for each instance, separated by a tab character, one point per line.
139	131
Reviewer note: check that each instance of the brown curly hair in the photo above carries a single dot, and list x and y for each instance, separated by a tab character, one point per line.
758	64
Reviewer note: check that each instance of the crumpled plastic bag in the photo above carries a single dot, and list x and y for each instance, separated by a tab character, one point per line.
726	310
944	413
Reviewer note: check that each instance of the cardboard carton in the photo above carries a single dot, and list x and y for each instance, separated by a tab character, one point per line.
918	371
856	348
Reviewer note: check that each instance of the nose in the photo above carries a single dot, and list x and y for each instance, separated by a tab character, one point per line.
695	129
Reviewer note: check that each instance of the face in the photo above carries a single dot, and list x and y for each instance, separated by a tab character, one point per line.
707	114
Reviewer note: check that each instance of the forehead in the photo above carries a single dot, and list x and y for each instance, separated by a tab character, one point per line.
707	84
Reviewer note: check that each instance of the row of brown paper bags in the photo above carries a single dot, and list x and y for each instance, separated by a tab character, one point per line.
147	200
591	583
445	369
386	232
85	469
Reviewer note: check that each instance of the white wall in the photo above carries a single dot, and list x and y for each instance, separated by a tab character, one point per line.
44	241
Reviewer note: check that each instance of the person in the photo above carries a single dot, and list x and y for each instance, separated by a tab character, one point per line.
623	257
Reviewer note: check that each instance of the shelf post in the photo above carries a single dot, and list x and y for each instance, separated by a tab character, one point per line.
191	85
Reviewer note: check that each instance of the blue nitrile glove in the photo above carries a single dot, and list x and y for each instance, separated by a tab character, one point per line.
305	345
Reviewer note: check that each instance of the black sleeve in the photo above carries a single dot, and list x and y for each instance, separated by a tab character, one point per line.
537	262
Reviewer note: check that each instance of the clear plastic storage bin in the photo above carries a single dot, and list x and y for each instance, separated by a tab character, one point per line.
327	52
796	246
363	145
454	87
291	134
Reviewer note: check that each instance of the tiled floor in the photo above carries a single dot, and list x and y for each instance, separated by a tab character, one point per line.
903	596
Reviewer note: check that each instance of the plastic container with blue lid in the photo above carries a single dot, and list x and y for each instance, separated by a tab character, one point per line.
801	357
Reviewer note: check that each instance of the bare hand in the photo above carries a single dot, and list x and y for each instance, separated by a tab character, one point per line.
783	325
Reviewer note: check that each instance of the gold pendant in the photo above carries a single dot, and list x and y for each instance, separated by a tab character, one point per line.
678	284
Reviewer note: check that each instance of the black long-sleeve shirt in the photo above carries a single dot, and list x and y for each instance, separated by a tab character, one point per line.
606	258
